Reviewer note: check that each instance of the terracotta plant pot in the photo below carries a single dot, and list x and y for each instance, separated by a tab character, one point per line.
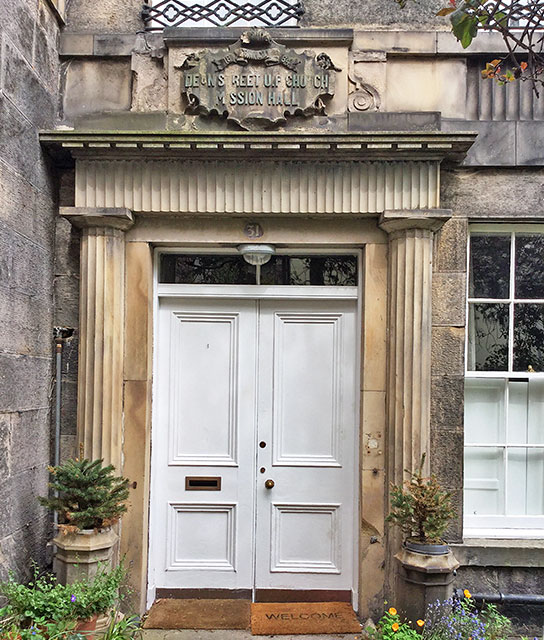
87	627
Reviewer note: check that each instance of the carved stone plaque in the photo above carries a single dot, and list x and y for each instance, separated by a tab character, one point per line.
257	82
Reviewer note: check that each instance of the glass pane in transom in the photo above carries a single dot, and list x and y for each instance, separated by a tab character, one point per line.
205	269
333	271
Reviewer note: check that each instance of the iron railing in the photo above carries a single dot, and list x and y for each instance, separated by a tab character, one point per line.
221	13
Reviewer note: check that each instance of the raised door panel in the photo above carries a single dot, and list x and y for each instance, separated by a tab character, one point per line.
204	366
307	361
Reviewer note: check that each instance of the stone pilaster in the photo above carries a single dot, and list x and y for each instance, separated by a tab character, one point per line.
408	387
101	328
410	321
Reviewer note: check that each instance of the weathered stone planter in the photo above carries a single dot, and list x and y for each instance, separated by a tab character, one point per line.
78	554
426	576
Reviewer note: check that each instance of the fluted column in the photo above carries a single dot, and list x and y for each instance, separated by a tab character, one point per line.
101	330
409	350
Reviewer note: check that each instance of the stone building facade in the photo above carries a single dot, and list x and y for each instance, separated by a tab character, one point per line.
29	210
153	165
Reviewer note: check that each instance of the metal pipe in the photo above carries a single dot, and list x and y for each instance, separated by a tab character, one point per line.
505	598
56	457
61	334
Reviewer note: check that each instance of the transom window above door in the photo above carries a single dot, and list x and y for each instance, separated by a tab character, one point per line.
294	270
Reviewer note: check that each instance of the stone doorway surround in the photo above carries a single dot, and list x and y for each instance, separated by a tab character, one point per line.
136	191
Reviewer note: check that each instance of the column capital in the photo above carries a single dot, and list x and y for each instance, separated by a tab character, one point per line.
426	219
86	217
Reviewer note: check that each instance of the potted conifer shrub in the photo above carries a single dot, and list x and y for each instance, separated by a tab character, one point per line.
423	511
88	499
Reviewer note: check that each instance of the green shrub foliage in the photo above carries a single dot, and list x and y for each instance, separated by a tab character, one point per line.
43	599
87	494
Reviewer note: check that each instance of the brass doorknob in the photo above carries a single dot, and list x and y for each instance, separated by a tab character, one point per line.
269	483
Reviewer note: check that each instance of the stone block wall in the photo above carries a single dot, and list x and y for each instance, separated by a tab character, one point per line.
111	16
28	102
447	369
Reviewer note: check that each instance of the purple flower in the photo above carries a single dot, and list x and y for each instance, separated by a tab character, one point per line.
73	597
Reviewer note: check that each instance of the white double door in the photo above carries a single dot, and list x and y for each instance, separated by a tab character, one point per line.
254	445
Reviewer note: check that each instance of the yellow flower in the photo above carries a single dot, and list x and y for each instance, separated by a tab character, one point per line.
420	623
392	611
395	626
467	593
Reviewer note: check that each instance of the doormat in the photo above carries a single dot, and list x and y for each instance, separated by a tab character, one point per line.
170	613
278	618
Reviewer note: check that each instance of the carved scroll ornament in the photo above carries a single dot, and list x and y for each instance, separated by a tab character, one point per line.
363	97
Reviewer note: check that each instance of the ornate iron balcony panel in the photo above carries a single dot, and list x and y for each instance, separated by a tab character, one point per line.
221	13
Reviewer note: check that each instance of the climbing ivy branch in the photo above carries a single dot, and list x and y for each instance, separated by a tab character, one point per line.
521	26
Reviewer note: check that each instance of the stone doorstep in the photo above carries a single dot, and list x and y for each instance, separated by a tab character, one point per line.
191	634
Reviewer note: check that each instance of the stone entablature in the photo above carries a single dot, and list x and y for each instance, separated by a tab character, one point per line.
384	145
272	173
261	187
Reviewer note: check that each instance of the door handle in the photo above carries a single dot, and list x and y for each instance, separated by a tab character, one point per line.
269	483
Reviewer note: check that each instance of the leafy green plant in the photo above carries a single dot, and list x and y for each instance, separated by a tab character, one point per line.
420	507
44	600
391	627
497	626
127	628
86	495
451	619
63	630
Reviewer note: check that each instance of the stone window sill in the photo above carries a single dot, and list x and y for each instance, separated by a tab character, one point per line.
496	552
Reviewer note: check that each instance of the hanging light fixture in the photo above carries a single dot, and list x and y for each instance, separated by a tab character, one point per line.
257	254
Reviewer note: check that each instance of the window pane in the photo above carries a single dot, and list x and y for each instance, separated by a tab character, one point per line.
535	420
340	271
525	482
210	269
526	412
529	266
529	337
484	411
517	411
488	337
489	266
484	481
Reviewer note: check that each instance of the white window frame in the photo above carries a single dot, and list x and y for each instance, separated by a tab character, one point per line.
502	526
